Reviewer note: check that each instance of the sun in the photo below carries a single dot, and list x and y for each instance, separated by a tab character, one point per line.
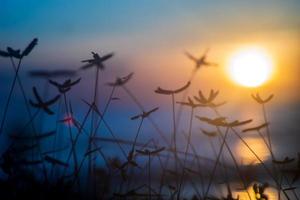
250	67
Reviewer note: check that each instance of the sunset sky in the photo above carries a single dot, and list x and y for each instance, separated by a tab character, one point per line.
149	38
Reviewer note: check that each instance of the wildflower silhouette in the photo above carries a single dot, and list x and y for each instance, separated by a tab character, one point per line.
116	164
221	121
96	61
159	90
44	105
144	114
201	61
286	160
130	160
263	103
295	172
259	100
149	153
190	103
208	101
121	80
16	53
171	174
11	53
65	86
162	91
256	128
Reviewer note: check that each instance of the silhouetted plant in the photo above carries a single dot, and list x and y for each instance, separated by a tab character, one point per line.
44	105
11	53
124	174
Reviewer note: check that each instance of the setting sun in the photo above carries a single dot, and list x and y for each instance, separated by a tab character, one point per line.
250	67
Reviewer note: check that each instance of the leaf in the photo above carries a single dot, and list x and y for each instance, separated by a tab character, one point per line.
4	54
170	92
14	53
30	47
238	123
286	160
37	137
209	133
256	128
269	98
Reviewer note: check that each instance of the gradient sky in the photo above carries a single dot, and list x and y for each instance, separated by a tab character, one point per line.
149	38
150	34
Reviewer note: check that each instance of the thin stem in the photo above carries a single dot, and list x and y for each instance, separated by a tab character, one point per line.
9	96
216	163
175	137
262	163
105	109
32	117
268	130
186	151
71	135
198	162
137	134
235	163
23	91
155	126
111	132
90	146
174	123
149	174
179	114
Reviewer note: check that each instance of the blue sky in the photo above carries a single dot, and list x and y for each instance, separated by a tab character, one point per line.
59	20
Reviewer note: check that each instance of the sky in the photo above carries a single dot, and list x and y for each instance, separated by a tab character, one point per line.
149	38
150	35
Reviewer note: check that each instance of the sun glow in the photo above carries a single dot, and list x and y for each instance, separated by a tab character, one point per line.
246	156
250	67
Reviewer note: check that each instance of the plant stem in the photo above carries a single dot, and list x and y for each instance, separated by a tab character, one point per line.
235	163
216	163
73	146
9	96
175	137
262	163
137	134
268	130
149	174
186	151
155	126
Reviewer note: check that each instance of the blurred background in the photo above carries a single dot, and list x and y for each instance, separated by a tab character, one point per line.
149	38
